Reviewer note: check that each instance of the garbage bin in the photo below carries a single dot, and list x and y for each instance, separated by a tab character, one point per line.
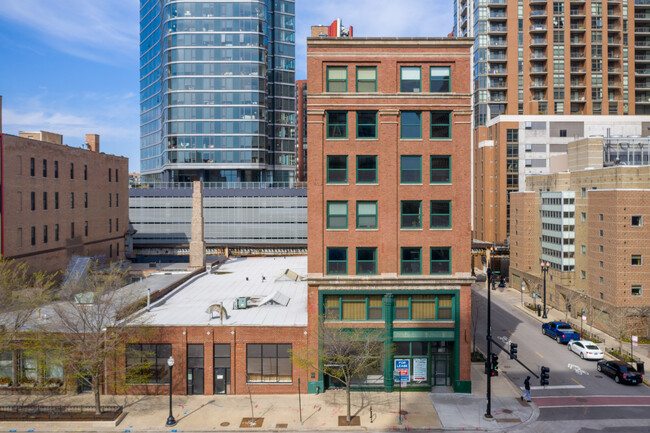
639	367
539	310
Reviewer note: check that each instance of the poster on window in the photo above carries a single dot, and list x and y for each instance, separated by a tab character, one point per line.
420	370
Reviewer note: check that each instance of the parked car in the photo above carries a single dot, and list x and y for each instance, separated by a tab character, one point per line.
560	331
620	371
586	349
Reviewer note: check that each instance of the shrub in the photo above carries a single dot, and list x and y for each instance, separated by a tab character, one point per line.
27	381
53	382
5	381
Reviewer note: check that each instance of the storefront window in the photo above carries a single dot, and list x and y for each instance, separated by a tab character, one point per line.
6	365
268	363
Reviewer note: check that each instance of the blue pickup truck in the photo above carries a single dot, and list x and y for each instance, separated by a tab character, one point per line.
560	331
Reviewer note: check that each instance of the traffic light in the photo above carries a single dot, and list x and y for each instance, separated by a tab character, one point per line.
495	364
544	377
513	350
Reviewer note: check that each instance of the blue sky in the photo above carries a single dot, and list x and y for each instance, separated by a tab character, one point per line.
71	66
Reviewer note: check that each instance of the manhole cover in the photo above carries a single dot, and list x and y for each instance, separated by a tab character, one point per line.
506	411
225	424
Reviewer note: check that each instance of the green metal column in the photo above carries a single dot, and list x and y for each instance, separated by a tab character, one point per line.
388	303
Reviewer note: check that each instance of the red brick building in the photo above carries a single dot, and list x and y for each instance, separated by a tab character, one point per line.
389	127
59	201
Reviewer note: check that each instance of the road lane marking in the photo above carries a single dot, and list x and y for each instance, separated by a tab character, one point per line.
539	388
576	381
539	355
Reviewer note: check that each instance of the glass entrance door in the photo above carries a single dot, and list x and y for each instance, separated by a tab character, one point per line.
194	369
222	368
440	373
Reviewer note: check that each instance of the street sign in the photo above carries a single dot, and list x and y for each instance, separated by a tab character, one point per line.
635	341
403	370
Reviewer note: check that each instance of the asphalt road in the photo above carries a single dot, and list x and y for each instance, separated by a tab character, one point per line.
577	391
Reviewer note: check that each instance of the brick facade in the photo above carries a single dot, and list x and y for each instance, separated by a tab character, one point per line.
91	187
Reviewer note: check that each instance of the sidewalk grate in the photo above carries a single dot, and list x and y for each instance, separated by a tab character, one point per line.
281	425
251	422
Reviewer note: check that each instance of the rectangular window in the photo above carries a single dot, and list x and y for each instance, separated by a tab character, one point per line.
366	214
583	216
110	200
423	307
72	200
440	214
402	307
147	363
19	237
44	200
411	169
56	169
110	225
440	124
445	304
337	124
110	171
440	79
440	169
45	168
636	291
71	170
353	307
636	260
32	197
583	275
337	169
366	124
85	228
56	232
337	79
337	215
366	78
337	261
268	363
44	234
117	224
600	217
86	200
637	220
366	169
440	260
33	235
32	167
411	126
116	175
583	249
411	261
411	214
366	261
85	172
56	200
117	196
410	78
72	230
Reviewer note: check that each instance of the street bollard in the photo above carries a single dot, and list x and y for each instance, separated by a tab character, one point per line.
539	310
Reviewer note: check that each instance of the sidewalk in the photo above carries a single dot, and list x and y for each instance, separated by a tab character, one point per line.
423	411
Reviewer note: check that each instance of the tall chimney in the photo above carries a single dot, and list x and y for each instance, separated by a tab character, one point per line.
92	140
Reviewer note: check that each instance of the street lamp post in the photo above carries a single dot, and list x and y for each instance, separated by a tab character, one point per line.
545	267
488	411
170	421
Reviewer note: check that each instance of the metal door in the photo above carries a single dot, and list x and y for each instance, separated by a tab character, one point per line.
441	370
220	380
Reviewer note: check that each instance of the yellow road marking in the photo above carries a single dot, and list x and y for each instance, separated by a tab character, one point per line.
509	332
539	354
576	381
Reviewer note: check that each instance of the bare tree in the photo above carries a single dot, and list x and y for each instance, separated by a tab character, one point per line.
22	293
87	327
346	354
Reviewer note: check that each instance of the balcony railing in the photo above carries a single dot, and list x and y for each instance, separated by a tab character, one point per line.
497	14
538	13
538	27
538	70
498	28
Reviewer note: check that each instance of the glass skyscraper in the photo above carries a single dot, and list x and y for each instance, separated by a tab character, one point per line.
217	86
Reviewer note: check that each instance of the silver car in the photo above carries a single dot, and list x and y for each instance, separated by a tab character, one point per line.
586	349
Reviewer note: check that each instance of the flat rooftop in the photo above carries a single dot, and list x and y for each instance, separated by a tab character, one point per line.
275	288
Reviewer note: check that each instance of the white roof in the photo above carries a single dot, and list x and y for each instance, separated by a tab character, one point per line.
251	277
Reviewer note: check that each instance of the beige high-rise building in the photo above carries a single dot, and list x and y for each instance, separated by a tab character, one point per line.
539	57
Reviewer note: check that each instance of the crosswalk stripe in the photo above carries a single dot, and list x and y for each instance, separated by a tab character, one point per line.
538	388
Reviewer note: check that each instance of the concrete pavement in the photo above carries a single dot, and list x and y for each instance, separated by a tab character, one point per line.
422	411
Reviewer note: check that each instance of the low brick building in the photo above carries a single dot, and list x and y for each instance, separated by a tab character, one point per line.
244	346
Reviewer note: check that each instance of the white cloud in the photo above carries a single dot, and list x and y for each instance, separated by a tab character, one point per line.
91	29
373	18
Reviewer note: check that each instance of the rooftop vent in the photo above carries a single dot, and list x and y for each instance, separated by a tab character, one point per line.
276	298
288	275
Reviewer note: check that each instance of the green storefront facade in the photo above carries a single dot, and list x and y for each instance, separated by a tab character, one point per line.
422	331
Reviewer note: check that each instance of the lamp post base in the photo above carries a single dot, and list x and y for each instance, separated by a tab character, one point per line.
488	416
544	316
170	421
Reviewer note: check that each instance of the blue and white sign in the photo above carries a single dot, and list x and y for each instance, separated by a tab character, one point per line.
403	368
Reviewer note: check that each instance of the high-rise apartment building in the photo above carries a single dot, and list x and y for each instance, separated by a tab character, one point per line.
389	127
539	57
217	90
